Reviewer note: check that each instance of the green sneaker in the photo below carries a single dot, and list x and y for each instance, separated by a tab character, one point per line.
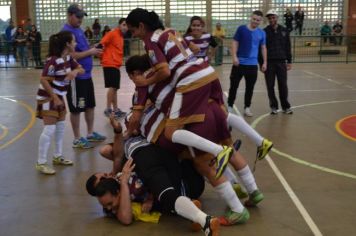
263	150
232	218
240	192
222	160
45	169
61	161
254	198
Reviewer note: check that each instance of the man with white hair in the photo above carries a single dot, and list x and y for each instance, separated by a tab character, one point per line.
279	59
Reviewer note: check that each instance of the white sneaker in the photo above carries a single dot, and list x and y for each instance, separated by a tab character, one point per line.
230	109
248	112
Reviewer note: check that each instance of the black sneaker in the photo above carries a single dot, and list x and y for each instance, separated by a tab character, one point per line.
288	111
212	226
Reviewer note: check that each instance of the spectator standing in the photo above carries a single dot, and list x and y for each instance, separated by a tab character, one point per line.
106	30
245	46
88	33
219	34
337	32
81	96
96	29
9	40
325	32
196	36
127	41
279	61
299	20
27	29
21	41
111	61
35	38
288	19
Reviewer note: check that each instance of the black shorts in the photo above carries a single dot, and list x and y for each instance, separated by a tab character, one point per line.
83	96
112	77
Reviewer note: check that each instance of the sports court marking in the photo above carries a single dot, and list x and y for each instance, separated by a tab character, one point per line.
28	126
347	127
328	79
5	131
307	218
303	162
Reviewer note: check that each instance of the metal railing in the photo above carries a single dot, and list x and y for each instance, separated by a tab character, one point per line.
305	49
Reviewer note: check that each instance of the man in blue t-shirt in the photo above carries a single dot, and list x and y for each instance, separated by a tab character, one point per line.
246	43
80	95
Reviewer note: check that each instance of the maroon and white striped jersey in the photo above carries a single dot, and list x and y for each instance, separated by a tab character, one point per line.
57	68
203	43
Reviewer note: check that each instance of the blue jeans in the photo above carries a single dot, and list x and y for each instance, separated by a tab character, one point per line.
23	54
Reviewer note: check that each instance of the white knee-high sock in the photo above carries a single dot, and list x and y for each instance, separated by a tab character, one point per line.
188	138
227	193
240	124
44	143
186	208
230	175
247	178
59	138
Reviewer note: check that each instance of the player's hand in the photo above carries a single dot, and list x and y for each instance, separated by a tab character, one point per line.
289	66
126	171
114	123
139	80
147	206
96	51
235	61
264	67
57	102
71	75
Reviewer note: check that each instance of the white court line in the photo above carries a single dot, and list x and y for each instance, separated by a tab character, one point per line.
327	78
307	218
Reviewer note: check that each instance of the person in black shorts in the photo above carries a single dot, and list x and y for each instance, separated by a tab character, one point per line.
111	61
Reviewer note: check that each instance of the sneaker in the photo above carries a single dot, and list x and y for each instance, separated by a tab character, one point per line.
232	218
230	109
240	192
237	144
254	198
274	111
61	161
107	112
96	137
263	150
119	113
222	160
81	143
196	226
248	112
45	169
212	226
288	111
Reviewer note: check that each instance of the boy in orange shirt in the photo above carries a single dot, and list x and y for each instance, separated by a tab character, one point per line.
111	61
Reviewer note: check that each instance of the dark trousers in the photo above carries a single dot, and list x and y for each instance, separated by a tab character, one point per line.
237	72
300	27
279	70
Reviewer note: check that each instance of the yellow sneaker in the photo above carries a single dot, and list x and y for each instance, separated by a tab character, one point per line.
45	169
240	192
61	161
263	150
222	160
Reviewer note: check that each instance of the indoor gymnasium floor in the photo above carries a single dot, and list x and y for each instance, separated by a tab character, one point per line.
309	179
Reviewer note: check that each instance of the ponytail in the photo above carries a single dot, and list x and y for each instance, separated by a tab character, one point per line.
149	19
58	42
